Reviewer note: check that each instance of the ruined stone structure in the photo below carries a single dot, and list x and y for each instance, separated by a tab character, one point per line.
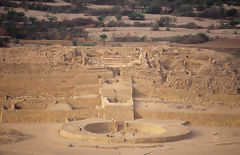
75	83
128	132
116	99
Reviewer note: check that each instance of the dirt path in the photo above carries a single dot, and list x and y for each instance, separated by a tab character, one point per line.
205	140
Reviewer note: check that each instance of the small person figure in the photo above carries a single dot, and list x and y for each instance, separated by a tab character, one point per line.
109	134
80	127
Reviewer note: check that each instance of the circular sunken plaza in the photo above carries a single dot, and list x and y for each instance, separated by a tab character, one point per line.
130	132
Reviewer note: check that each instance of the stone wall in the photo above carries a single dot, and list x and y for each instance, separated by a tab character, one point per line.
116	99
46	116
212	119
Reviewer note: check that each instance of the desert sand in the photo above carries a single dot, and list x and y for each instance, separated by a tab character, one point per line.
46	140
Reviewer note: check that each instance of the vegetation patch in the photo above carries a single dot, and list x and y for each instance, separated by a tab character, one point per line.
83	43
155	27
129	38
217	12
186	39
39	5
16	24
3	42
166	21
114	11
136	16
190	25
141	24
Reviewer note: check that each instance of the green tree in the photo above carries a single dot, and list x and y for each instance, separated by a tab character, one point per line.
165	21
103	38
209	3
74	42
136	16
32	20
118	17
101	18
231	12
154	7
52	19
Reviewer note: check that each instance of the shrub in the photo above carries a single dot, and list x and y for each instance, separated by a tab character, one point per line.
186	39
112	23
167	29
209	3
143	38
233	23
190	25
106	2
136	16
159	6
101	17
155	27
106	30
141	24
87	44
16	16
231	12
203	37
129	38
165	21
153	9
105	11
74	42
190	39
116	45
225	25
185	10
80	22
16	41
214	12
103	37
108	11
3	42
118	17
52	19
32	20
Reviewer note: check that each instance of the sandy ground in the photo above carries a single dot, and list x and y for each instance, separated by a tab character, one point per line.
93	6
204	140
58	3
146	31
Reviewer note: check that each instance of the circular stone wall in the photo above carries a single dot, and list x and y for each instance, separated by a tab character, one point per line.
133	132
100	127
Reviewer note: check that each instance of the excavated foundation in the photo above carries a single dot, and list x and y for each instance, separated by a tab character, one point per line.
131	132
